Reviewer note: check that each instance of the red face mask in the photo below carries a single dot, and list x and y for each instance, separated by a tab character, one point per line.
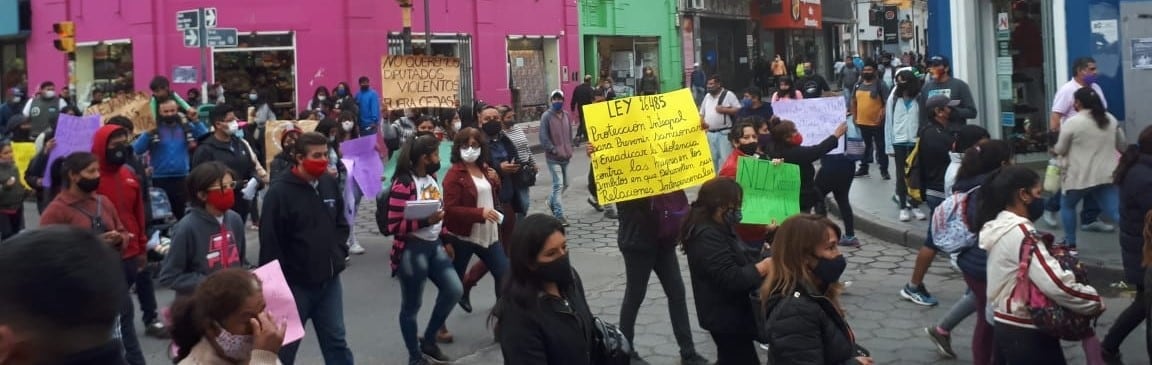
797	139
221	199
314	167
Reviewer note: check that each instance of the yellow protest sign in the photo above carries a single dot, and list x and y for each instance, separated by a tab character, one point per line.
420	82
273	129
22	154
647	145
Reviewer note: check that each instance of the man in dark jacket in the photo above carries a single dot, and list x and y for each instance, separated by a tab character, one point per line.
304	227
581	96
11	106
224	146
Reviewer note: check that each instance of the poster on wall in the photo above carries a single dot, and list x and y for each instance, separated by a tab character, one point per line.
1142	54
184	75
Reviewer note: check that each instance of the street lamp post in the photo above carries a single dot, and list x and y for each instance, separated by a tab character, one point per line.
406	12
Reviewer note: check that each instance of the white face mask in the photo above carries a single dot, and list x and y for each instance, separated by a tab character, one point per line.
16	99
253	96
233	126
470	154
322	98
347	125
456	126
235	347
49	94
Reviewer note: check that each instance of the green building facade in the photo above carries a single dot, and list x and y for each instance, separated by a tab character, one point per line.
620	37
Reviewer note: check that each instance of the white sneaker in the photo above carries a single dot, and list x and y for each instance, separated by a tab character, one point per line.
919	214
355	248
1051	219
904	217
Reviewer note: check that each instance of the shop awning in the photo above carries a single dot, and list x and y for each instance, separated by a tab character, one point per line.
18	36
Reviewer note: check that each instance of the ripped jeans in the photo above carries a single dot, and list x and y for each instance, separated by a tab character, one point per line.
422	261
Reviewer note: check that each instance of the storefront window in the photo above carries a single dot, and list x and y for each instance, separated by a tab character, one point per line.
265	63
1020	75
112	66
13	66
623	60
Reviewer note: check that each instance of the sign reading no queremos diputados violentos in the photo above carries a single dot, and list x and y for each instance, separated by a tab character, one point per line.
420	82
647	145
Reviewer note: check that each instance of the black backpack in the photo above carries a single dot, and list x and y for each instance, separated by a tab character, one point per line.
382	204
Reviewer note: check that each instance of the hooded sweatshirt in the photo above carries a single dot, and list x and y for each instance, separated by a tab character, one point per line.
556	135
198	249
1003	238
303	226
126	193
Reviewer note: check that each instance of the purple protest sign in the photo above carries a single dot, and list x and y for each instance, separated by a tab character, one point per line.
349	196
368	169
73	134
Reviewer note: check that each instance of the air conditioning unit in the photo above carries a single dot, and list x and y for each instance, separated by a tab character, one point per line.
694	4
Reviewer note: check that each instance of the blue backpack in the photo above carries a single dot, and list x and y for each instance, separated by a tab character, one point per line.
950	229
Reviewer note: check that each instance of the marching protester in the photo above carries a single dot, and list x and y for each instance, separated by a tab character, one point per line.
368	107
944	84
37	171
44	109
161	89
11	194
471	191
717	111
210	237
41	322
801	296
168	147
835	177
785	90
304	227
225	145
342	96
226	321
867	111
283	162
812	85
556	139
502	156
526	177
723	274
753	105
966	137
319	100
901	126
542	316
12	106
337	132
745	143
1133	177
787	146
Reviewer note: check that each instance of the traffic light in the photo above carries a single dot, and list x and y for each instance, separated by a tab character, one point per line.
65	36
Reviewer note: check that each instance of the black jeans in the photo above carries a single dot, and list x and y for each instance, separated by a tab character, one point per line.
582	132
735	349
835	177
592	183
874	148
900	154
176	189
133	354
11	224
146	293
638	268
1025	346
242	206
1128	320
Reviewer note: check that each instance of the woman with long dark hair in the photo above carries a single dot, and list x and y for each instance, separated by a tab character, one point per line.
471	198
723	271
225	322
785	90
1088	145
319	99
787	146
542	316
901	127
1133	178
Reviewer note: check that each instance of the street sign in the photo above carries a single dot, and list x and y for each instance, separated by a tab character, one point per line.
192	38
222	37
209	17
188	19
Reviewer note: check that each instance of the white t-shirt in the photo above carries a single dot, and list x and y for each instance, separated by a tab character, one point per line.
484	233
1065	102
428	189
714	119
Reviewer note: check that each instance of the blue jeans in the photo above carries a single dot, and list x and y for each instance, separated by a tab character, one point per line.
1105	195
720	147
133	354
324	305
559	172
422	261
1088	215
367	131
493	257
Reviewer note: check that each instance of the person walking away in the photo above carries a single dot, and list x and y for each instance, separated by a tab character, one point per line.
942	83
1004	215
13	105
1088	143
779	69
835	177
44	109
418	253
785	90
849	77
225	146
867	110
368	102
787	145
227	321
303	226
802	296
43	312
649	83
603	94
717	110
542	316
699	83
723	272
813	85
581	96
210	237
11	194
901	124
169	146
935	141
37	169
1063	108
555	137
753	106
1133	177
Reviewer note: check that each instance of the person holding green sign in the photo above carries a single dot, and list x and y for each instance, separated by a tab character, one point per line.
786	145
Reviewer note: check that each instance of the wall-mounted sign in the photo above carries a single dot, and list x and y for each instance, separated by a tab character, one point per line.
801	14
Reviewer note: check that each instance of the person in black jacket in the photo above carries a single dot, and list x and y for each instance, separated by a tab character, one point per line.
1133	177
723	272
787	144
542	316
226	145
283	162
805	321
304	227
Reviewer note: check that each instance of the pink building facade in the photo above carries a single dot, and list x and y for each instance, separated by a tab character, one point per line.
294	46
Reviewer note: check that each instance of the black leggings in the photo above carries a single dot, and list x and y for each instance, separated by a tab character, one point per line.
592	183
735	349
835	177
638	266
1026	346
1128	320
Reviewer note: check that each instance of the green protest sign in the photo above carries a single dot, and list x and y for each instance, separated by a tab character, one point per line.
771	192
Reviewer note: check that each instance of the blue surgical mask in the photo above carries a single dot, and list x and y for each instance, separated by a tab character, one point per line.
1090	79
747	103
733	216
239	133
557	105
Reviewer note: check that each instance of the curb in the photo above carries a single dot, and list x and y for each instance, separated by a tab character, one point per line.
1101	276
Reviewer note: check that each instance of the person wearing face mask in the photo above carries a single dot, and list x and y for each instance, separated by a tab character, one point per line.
471	190
556	139
785	90
787	145
1063	108
649	83
337	133
418	254
368	101
284	161
543	316
44	109
193	97
260	101
312	254
168	145
942	83
11	194
162	91
753	105
901	125
802	296
319	98
210	237
12	106
226	322
867	112
225	145
502	156
717	111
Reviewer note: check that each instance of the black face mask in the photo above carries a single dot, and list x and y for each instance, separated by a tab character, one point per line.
1036	209
431	169
829	271
749	149
88	185
116	156
868	76
171	119
363	87
491	128
559	272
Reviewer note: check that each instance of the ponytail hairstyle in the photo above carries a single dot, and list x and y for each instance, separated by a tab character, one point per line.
412	150
1089	99
1000	190
1131	155
985	158
218	297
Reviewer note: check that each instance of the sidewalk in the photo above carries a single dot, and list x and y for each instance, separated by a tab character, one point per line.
876	214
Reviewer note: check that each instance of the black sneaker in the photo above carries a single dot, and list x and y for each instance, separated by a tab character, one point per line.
156	329
862	171
466	300
884	175
637	360
595	205
693	359
433	352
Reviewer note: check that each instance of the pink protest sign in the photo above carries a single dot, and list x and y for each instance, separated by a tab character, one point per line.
279	300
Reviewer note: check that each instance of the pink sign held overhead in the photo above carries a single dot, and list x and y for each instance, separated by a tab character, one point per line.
279	300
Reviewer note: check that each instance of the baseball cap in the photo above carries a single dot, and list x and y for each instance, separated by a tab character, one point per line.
938	60
556	94
940	101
